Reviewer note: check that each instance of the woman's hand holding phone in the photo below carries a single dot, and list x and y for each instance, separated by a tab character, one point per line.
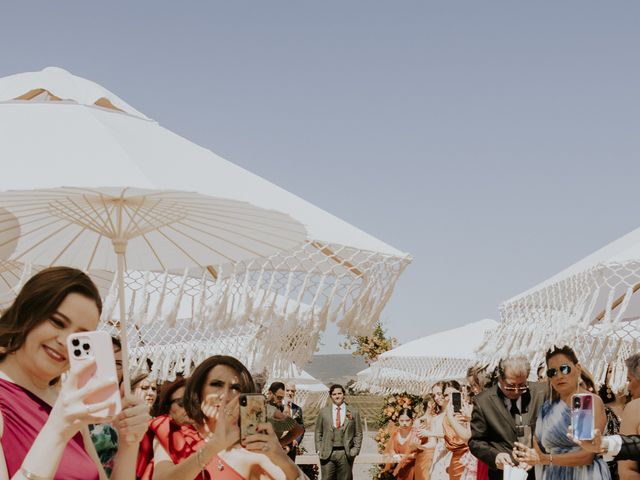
267	443
133	421
70	412
223	417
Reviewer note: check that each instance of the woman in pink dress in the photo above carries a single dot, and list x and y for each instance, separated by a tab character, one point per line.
44	422
211	448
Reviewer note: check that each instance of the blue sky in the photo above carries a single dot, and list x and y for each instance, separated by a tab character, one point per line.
496	142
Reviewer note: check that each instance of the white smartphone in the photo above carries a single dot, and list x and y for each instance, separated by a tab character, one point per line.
86	346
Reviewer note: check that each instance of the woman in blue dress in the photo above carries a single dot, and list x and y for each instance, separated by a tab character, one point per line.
561	458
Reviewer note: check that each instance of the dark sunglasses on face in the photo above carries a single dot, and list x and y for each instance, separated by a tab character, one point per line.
178	401
516	388
563	369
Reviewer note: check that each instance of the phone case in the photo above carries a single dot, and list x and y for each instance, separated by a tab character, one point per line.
253	411
582	417
456	400
85	346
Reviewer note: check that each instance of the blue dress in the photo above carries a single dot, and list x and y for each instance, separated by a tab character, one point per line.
553	422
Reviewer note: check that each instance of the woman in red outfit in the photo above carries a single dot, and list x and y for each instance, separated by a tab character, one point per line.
44	425
212	448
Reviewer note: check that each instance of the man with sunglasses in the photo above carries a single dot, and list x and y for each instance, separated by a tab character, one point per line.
504	414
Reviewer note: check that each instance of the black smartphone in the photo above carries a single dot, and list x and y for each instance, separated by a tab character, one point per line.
456	400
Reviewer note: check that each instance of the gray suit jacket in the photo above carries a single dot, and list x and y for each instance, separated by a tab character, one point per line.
493	430
352	432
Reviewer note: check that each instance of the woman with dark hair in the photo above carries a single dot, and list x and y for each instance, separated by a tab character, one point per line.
211	447
38	412
561	458
171	401
169	417
402	447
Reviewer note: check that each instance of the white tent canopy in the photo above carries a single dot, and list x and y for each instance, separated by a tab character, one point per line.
595	298
413	366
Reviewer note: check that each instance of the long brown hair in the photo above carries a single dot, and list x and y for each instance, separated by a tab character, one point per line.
193	389
38	300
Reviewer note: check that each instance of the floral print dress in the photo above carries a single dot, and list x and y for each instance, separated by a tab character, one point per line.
105	439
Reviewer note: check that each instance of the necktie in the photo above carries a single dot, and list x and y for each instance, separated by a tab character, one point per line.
514	410
290	411
338	417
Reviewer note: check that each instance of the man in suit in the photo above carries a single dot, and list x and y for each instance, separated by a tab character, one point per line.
295	412
286	427
338	437
504	414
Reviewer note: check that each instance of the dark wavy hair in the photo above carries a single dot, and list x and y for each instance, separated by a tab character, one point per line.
38	300
166	391
406	411
567	351
193	389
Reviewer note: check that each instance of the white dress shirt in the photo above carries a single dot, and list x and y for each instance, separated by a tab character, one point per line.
334	414
614	444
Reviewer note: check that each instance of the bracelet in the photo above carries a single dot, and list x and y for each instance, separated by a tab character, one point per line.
32	476
199	459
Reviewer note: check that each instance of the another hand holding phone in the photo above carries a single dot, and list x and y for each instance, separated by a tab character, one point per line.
71	410
133	421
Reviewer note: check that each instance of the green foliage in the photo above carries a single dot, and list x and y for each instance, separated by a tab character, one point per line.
370	347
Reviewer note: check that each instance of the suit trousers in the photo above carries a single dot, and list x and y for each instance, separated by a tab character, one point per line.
337	467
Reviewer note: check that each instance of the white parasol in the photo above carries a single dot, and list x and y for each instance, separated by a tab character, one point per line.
593	305
415	365
128	228
87	136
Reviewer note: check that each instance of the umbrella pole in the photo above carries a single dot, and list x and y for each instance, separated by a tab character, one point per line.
124	339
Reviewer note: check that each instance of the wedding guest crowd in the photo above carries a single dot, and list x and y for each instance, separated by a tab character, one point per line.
46	411
52	426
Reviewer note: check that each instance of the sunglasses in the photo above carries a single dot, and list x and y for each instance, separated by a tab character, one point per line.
178	401
563	369
517	388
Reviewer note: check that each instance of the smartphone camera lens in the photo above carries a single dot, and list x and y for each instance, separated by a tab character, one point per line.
576	403
86	347
77	352
243	401
75	342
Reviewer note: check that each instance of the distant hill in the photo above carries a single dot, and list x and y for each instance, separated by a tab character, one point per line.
339	368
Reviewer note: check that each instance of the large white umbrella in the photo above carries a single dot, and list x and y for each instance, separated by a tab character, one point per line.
60	129
415	365
120	228
592	305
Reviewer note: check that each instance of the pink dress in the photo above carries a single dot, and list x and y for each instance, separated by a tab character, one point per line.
24	415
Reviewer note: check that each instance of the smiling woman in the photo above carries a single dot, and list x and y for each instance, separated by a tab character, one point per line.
38	412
